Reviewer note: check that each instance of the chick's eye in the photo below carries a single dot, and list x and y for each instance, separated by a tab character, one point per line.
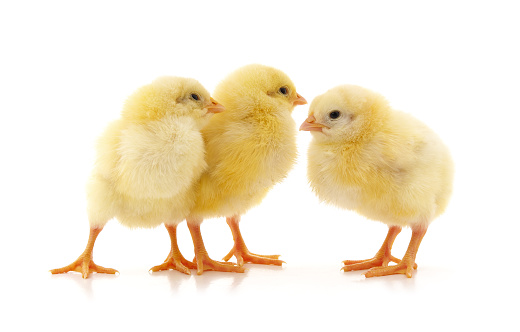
283	90
334	114
195	96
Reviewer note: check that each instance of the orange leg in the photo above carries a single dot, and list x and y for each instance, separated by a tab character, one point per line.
382	257
240	250
407	264
204	262
175	260
85	264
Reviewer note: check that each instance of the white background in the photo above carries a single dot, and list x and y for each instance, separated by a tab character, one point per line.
67	67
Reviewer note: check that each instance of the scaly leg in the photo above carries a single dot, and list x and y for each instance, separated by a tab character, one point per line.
382	257
85	264
175	260
240	250
407	264
204	262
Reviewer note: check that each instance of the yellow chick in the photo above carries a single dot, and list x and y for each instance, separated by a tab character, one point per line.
147	164
382	163
249	148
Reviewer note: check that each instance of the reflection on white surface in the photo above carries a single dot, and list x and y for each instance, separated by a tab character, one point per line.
263	297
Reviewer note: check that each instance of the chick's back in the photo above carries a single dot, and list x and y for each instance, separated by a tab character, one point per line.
412	173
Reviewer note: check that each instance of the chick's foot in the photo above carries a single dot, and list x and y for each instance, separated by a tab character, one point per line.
243	255
403	267
84	265
382	257
175	262
240	250
204	262
407	264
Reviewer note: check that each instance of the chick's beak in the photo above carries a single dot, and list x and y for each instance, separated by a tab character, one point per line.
299	100
215	107
310	124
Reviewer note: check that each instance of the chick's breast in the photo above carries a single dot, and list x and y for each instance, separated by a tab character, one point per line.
328	174
159	160
144	174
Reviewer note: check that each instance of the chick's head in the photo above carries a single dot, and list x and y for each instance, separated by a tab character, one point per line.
346	113
171	96
258	87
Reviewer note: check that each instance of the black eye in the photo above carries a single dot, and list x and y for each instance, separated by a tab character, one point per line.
195	96
283	90
334	114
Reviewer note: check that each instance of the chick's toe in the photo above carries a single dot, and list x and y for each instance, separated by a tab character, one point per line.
243	254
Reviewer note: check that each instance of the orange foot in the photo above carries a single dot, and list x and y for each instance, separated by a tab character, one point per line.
205	263
380	259
173	262
240	250
243	255
407	264
403	267
84	265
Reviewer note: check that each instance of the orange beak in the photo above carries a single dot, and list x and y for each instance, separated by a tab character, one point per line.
310	124
299	100
215	107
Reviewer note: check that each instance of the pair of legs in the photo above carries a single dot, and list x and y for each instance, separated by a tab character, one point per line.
202	260
175	261
379	264
239	250
85	263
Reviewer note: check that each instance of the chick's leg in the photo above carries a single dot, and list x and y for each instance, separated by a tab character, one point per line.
175	260
240	250
85	263
382	257
204	262
407	264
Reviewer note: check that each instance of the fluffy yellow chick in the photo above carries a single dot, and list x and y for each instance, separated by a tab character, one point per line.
147	164
382	163
249	148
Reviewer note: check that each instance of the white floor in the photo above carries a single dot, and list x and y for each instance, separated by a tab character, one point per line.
467	278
